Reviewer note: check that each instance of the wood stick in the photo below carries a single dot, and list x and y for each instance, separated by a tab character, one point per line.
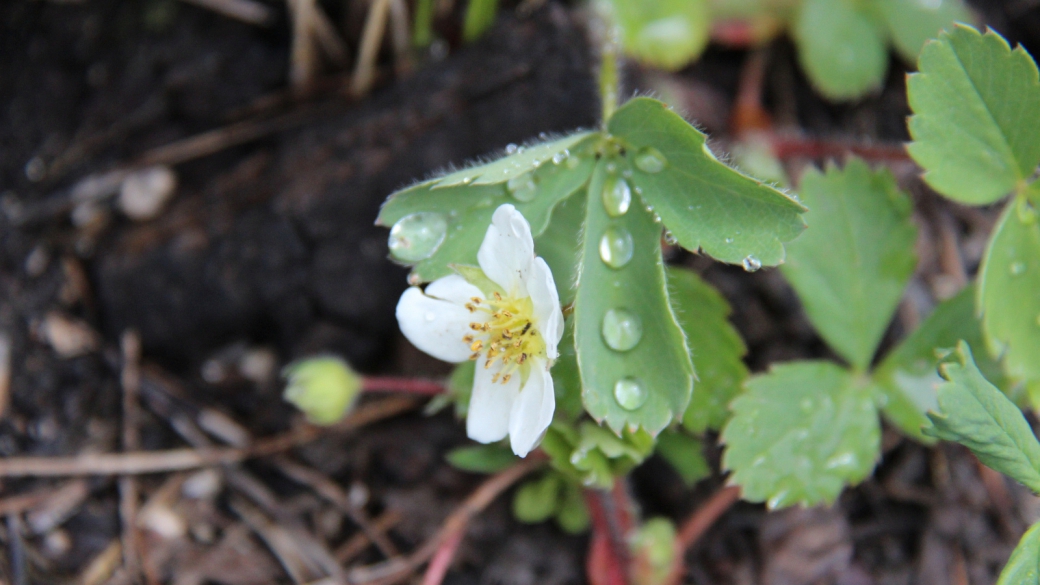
128	496
140	462
371	40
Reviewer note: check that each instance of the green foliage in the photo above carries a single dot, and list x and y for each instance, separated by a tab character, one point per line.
841	47
653	549
635	368
572	515
536	500
482	458
976	106
480	15
324	388
663	33
1023	568
851	266
800	432
910	24
715	347
685	454
976	414
707	205
593	456
1009	290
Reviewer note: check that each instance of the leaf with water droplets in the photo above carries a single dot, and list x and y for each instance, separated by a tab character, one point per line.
908	376
800	433
715	346
1009	291
841	47
520	161
707	205
976	119
655	374
852	264
1023	568
977	415
466	212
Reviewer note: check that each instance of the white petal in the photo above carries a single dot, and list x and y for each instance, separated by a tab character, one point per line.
546	301
506	253
453	288
435	326
533	410
490	405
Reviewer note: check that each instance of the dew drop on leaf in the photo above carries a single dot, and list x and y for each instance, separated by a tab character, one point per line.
511	148
650	160
751	264
622	329
616	247
417	236
729	240
617	196
1017	268
522	188
630	393
561	156
669	238
778	500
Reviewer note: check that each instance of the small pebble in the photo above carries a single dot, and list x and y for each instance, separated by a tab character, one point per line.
163	521
202	485
69	337
145	192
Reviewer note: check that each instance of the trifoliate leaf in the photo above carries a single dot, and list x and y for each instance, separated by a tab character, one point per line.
908	377
913	23
435	226
976	117
800	433
537	500
663	33
522	161
851	265
975	414
482	458
841	47
704	203
685	454
635	368
1023	568
1009	291
715	346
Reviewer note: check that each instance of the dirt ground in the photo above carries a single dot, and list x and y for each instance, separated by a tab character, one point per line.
267	252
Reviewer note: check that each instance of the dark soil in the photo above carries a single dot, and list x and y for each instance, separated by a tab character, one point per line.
268	252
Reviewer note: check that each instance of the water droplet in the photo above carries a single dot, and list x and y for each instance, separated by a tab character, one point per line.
630	393
729	240
622	329
561	156
616	247
751	264
669	238
627	173
778	500
543	136
842	461
611	168
638	190
650	160
522	188
1017	268
511	148
617	196
417	236
520	149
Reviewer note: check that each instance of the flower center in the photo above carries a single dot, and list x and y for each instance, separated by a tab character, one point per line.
509	335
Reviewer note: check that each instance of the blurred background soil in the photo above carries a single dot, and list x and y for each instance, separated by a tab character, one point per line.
266	251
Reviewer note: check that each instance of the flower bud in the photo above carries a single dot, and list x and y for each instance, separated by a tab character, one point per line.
324	388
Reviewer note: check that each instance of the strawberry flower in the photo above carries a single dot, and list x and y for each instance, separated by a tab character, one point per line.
507	318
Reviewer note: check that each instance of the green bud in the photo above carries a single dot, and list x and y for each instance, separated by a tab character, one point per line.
324	388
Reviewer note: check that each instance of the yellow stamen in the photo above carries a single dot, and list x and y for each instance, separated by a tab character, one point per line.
476	345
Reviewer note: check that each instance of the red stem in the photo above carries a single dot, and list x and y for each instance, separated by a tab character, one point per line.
441	560
698	523
609	561
400	384
785	147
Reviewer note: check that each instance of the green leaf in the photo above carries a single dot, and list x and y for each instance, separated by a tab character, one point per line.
1009	291
537	500
480	15
663	33
975	414
685	454
908	376
1023	568
648	367
460	215
912	23
976	116
800	433
841	47
572	514
522	161
567	378
852	264
482	458
707	205
715	346
560	247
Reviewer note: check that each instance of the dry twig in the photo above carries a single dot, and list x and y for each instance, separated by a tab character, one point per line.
357	543
247	11
371	40
131	382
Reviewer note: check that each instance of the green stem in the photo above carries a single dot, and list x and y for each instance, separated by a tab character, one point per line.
422	33
608	77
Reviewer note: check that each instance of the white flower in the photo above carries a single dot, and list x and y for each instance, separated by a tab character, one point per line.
512	332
